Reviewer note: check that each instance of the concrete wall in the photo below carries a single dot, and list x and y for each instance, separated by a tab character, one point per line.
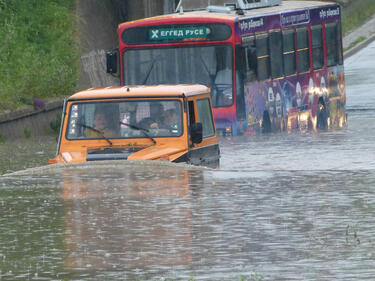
144	8
34	121
202	4
97	25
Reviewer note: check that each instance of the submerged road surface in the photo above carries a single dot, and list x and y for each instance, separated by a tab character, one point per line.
281	207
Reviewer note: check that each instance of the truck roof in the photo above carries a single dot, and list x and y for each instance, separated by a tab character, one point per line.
286	6
141	91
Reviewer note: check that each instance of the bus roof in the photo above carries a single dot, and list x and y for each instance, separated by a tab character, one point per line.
286	6
140	91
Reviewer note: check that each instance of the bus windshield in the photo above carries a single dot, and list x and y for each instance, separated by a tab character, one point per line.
211	66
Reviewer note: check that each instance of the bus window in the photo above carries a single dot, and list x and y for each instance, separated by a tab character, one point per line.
289	52
172	65
303	54
222	90
263	61
333	44
251	60
317	46
276	54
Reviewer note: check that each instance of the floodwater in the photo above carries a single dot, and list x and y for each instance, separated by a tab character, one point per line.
26	153
281	207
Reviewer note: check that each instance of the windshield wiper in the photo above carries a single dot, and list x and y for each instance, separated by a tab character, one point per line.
211	76
143	130
96	130
150	69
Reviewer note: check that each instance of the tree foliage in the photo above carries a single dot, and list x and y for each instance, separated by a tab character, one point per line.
38	52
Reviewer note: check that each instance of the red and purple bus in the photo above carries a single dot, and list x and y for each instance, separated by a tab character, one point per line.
275	68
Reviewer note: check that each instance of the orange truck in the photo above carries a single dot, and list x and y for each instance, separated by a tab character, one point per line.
163	122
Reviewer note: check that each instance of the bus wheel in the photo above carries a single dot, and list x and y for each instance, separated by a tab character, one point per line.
322	117
266	123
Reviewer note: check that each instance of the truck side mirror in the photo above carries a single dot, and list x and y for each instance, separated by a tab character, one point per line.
196	132
112	61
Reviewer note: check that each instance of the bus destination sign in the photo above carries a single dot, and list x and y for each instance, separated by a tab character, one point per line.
174	33
160	34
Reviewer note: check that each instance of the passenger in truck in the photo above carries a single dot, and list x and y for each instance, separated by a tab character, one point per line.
100	126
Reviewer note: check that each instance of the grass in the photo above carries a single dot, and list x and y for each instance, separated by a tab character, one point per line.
27	133
355	13
38	52
359	40
54	124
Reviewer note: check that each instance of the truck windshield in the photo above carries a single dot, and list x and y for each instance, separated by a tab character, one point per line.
211	66
125	119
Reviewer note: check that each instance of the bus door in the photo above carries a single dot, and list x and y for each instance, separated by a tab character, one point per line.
246	60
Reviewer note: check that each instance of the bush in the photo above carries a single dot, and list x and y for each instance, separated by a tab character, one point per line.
38	54
55	124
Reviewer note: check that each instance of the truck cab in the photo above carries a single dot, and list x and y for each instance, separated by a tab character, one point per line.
164	122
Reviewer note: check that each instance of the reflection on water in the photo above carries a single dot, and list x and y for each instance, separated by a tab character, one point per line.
138	221
131	219
281	207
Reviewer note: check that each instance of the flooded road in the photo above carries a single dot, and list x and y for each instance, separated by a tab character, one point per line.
26	153
350	149
281	207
